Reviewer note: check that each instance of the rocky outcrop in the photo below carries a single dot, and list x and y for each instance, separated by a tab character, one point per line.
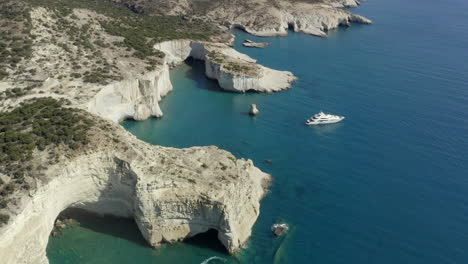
135	97
253	110
234	71
252	44
263	17
279	229
171	193
313	19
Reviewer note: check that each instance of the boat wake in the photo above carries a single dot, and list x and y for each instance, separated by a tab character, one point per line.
208	260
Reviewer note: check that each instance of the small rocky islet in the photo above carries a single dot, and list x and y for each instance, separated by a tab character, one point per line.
71	70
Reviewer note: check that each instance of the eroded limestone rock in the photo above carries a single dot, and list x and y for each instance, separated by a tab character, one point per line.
234	71
254	110
264	17
171	193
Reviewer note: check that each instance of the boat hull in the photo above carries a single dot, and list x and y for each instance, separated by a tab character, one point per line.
314	123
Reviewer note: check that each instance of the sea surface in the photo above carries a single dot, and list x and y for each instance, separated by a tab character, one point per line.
387	185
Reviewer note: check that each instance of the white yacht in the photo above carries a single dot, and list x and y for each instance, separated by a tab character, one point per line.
322	118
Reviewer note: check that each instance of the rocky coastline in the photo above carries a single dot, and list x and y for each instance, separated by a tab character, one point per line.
262	17
172	194
234	71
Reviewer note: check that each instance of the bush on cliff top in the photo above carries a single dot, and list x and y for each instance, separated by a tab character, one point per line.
4	218
140	31
36	125
15	30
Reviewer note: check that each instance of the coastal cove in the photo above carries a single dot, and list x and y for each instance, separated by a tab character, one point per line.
387	185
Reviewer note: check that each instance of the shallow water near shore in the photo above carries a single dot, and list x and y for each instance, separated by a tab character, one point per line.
387	185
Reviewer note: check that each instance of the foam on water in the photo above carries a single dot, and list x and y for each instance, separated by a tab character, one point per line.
213	259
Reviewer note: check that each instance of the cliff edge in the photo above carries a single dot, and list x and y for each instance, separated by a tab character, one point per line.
171	193
71	70
260	17
69	73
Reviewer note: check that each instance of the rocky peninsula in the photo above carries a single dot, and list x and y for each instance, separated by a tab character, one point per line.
171	193
70	71
261	17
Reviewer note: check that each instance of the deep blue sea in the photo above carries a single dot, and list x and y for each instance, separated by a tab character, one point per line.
387	185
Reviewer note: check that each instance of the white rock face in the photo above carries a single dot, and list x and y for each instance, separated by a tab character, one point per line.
135	98
266	17
254	110
178	50
256	78
306	18
171	193
343	3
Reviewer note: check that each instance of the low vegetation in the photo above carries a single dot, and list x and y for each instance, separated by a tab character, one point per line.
15	36
13	93
216	57
238	67
232	66
4	218
137	28
84	45
40	125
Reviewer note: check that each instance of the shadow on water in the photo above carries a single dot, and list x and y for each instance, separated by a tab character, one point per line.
197	74
124	228
208	240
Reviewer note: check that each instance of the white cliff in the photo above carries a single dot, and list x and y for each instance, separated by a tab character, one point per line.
234	71
254	110
135	97
171	193
313	19
264	17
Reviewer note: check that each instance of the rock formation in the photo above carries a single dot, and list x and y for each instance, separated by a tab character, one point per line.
171	193
133	98
136	94
254	110
234	71
252	44
279	229
263	17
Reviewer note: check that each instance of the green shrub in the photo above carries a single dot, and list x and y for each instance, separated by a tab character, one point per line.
3	203
36	125
3	74
4	218
76	75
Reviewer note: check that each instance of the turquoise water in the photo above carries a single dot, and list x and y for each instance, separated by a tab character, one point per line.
387	185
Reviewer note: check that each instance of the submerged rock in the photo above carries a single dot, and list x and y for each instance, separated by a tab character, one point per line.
59	224
254	110
279	229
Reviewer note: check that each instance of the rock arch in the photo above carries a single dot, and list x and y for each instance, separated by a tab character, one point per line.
142	183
